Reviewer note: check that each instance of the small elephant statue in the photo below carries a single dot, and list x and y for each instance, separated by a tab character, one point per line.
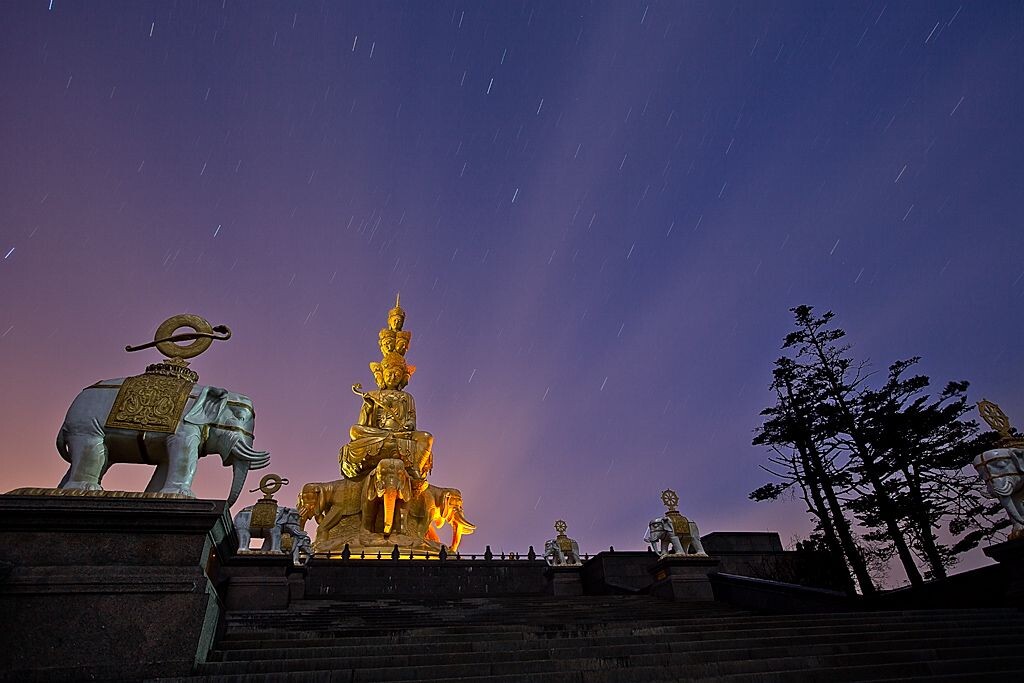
287	521
664	540
562	554
1002	470
302	549
214	421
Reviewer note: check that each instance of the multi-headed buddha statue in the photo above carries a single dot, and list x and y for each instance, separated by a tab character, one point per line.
386	427
384	499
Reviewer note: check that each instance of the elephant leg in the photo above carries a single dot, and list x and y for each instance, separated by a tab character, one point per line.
677	547
156	482
243	539
431	534
182	458
273	540
698	549
88	463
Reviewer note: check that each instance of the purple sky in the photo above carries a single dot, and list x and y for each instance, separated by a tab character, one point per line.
597	214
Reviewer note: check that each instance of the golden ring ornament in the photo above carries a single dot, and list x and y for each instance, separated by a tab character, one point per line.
202	335
561	526
670	498
270	484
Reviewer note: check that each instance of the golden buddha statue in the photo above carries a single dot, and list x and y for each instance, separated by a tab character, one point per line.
384	499
386	426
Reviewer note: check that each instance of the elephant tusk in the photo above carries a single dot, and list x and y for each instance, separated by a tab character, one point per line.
461	521
389	510
255	459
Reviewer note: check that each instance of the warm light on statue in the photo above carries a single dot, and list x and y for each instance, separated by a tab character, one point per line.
384	499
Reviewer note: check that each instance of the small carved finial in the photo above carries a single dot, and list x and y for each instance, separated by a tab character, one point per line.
488	555
444	553
532	555
346	552
396	553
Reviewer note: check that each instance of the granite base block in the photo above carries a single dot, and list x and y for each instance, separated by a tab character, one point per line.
683	578
565	580
107	588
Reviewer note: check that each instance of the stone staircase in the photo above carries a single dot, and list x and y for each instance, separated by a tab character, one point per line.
598	639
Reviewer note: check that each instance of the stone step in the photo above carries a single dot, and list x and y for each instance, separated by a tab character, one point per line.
654	666
366	637
568	648
277	629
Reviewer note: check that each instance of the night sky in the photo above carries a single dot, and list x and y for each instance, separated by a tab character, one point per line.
597	214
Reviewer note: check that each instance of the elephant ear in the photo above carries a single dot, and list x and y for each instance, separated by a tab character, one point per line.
209	404
1018	459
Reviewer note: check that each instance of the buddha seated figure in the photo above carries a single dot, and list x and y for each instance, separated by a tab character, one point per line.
386	427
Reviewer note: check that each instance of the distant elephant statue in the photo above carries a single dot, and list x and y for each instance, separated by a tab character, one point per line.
1002	470
432	507
344	506
287	521
556	555
302	549
214	421
664	539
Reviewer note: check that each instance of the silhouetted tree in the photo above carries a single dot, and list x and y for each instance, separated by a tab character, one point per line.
892	456
803	458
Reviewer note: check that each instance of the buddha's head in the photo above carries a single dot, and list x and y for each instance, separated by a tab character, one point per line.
386	340
394	371
396	317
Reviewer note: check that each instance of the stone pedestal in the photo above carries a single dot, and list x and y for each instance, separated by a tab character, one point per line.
259	581
683	577
565	580
1010	555
107	588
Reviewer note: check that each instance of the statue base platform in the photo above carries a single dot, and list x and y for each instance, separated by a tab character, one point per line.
683	577
1010	556
565	579
370	545
107	587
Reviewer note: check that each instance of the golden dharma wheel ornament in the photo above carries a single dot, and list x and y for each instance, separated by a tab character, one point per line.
561	526
994	416
670	498
998	421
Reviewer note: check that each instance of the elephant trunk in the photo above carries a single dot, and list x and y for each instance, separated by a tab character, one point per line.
1012	510
460	526
243	458
1004	485
389	509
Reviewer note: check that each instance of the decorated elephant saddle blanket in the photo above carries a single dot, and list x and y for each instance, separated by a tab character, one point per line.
150	402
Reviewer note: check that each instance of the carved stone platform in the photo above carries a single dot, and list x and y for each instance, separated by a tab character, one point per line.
1010	556
105	587
683	577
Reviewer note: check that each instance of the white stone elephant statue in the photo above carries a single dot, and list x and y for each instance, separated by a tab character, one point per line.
664	540
287	521
214	421
558	556
1002	470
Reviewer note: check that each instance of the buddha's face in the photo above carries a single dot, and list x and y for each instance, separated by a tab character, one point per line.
396	320
393	377
387	345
